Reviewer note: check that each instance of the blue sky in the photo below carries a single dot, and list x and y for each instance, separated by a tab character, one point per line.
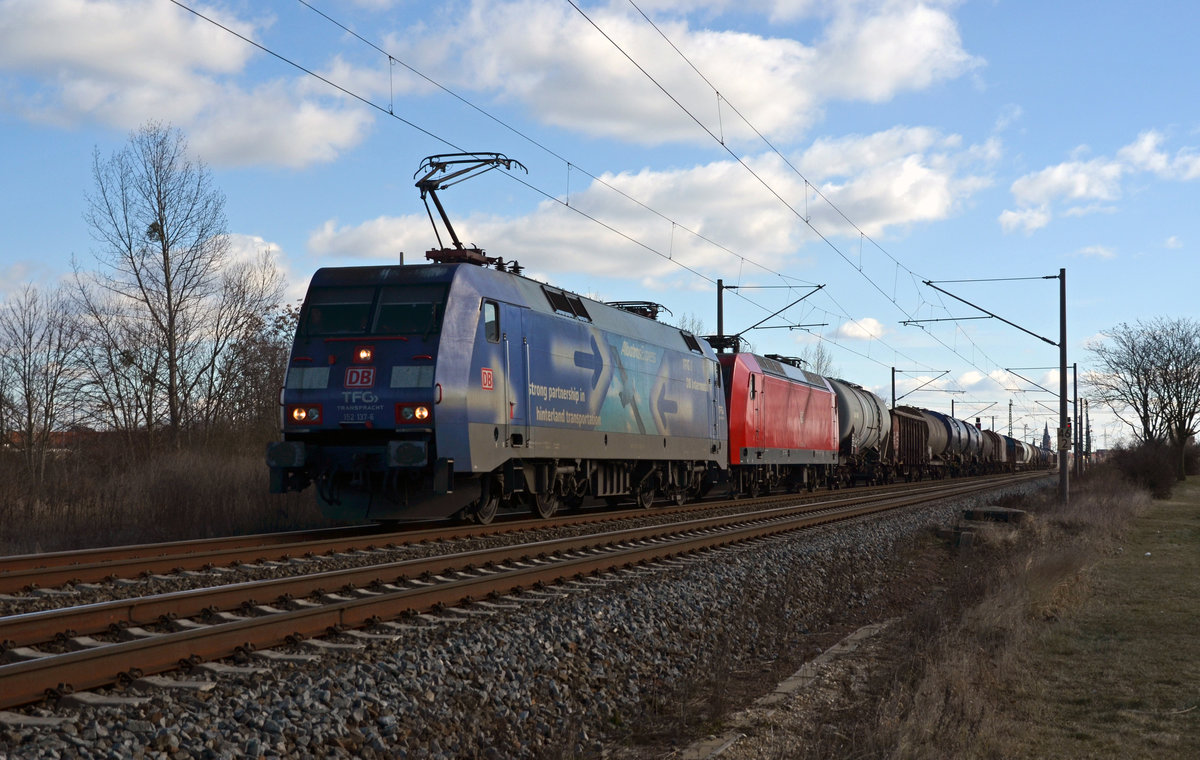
938	141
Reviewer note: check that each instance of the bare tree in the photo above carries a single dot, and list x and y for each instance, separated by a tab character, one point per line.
8	410
818	359
119	362
1125	380
1177	345
254	370
250	291
161	225
40	335
692	323
1149	375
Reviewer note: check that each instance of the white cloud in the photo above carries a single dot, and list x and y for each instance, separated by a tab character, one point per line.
1145	154
1173	242
1084	187
125	62
547	56
1096	252
380	238
1009	115
867	328
894	178
1027	219
1076	181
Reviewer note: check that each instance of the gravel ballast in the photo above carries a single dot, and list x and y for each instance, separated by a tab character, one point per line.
598	668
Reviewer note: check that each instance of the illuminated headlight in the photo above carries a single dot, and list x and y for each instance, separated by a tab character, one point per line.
364	355
306	415
411	413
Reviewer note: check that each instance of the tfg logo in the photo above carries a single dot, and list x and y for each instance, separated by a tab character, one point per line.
360	377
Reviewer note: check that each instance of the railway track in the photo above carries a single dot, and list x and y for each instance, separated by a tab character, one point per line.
54	652
50	570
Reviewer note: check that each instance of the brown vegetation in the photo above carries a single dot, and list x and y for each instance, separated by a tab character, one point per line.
109	492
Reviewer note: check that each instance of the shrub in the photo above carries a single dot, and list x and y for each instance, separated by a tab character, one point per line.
1152	466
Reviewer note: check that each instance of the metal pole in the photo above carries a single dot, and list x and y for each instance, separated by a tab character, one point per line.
1076	429
893	387
721	310
1063	473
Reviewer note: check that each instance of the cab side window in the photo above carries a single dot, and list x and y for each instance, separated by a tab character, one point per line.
491	321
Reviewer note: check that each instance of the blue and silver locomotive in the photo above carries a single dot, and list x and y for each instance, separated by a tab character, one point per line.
431	390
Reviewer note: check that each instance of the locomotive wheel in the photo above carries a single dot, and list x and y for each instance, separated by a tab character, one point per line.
486	510
645	495
545	505
679	497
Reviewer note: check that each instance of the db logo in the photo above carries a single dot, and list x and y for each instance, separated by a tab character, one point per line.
489	382
360	377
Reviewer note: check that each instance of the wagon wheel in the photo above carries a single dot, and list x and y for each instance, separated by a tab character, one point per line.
544	505
485	510
679	496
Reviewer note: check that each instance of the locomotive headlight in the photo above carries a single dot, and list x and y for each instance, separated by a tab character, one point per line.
305	415
364	354
409	414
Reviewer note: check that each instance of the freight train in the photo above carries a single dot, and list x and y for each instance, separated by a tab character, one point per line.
461	388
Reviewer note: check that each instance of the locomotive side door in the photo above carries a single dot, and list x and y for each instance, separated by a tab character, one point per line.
753	383
515	349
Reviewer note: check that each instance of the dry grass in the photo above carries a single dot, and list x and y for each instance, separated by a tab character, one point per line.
1119	676
1063	639
112	495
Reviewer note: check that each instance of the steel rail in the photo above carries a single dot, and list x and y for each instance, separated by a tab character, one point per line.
24	682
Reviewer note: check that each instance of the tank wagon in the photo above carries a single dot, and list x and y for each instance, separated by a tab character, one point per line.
864	427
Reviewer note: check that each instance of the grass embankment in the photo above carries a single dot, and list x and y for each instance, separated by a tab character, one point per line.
1076	635
1119	674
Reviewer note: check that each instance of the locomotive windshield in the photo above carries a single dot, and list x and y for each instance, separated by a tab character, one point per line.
390	310
337	311
410	309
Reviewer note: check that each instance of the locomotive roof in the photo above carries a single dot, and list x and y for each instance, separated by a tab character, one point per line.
515	288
